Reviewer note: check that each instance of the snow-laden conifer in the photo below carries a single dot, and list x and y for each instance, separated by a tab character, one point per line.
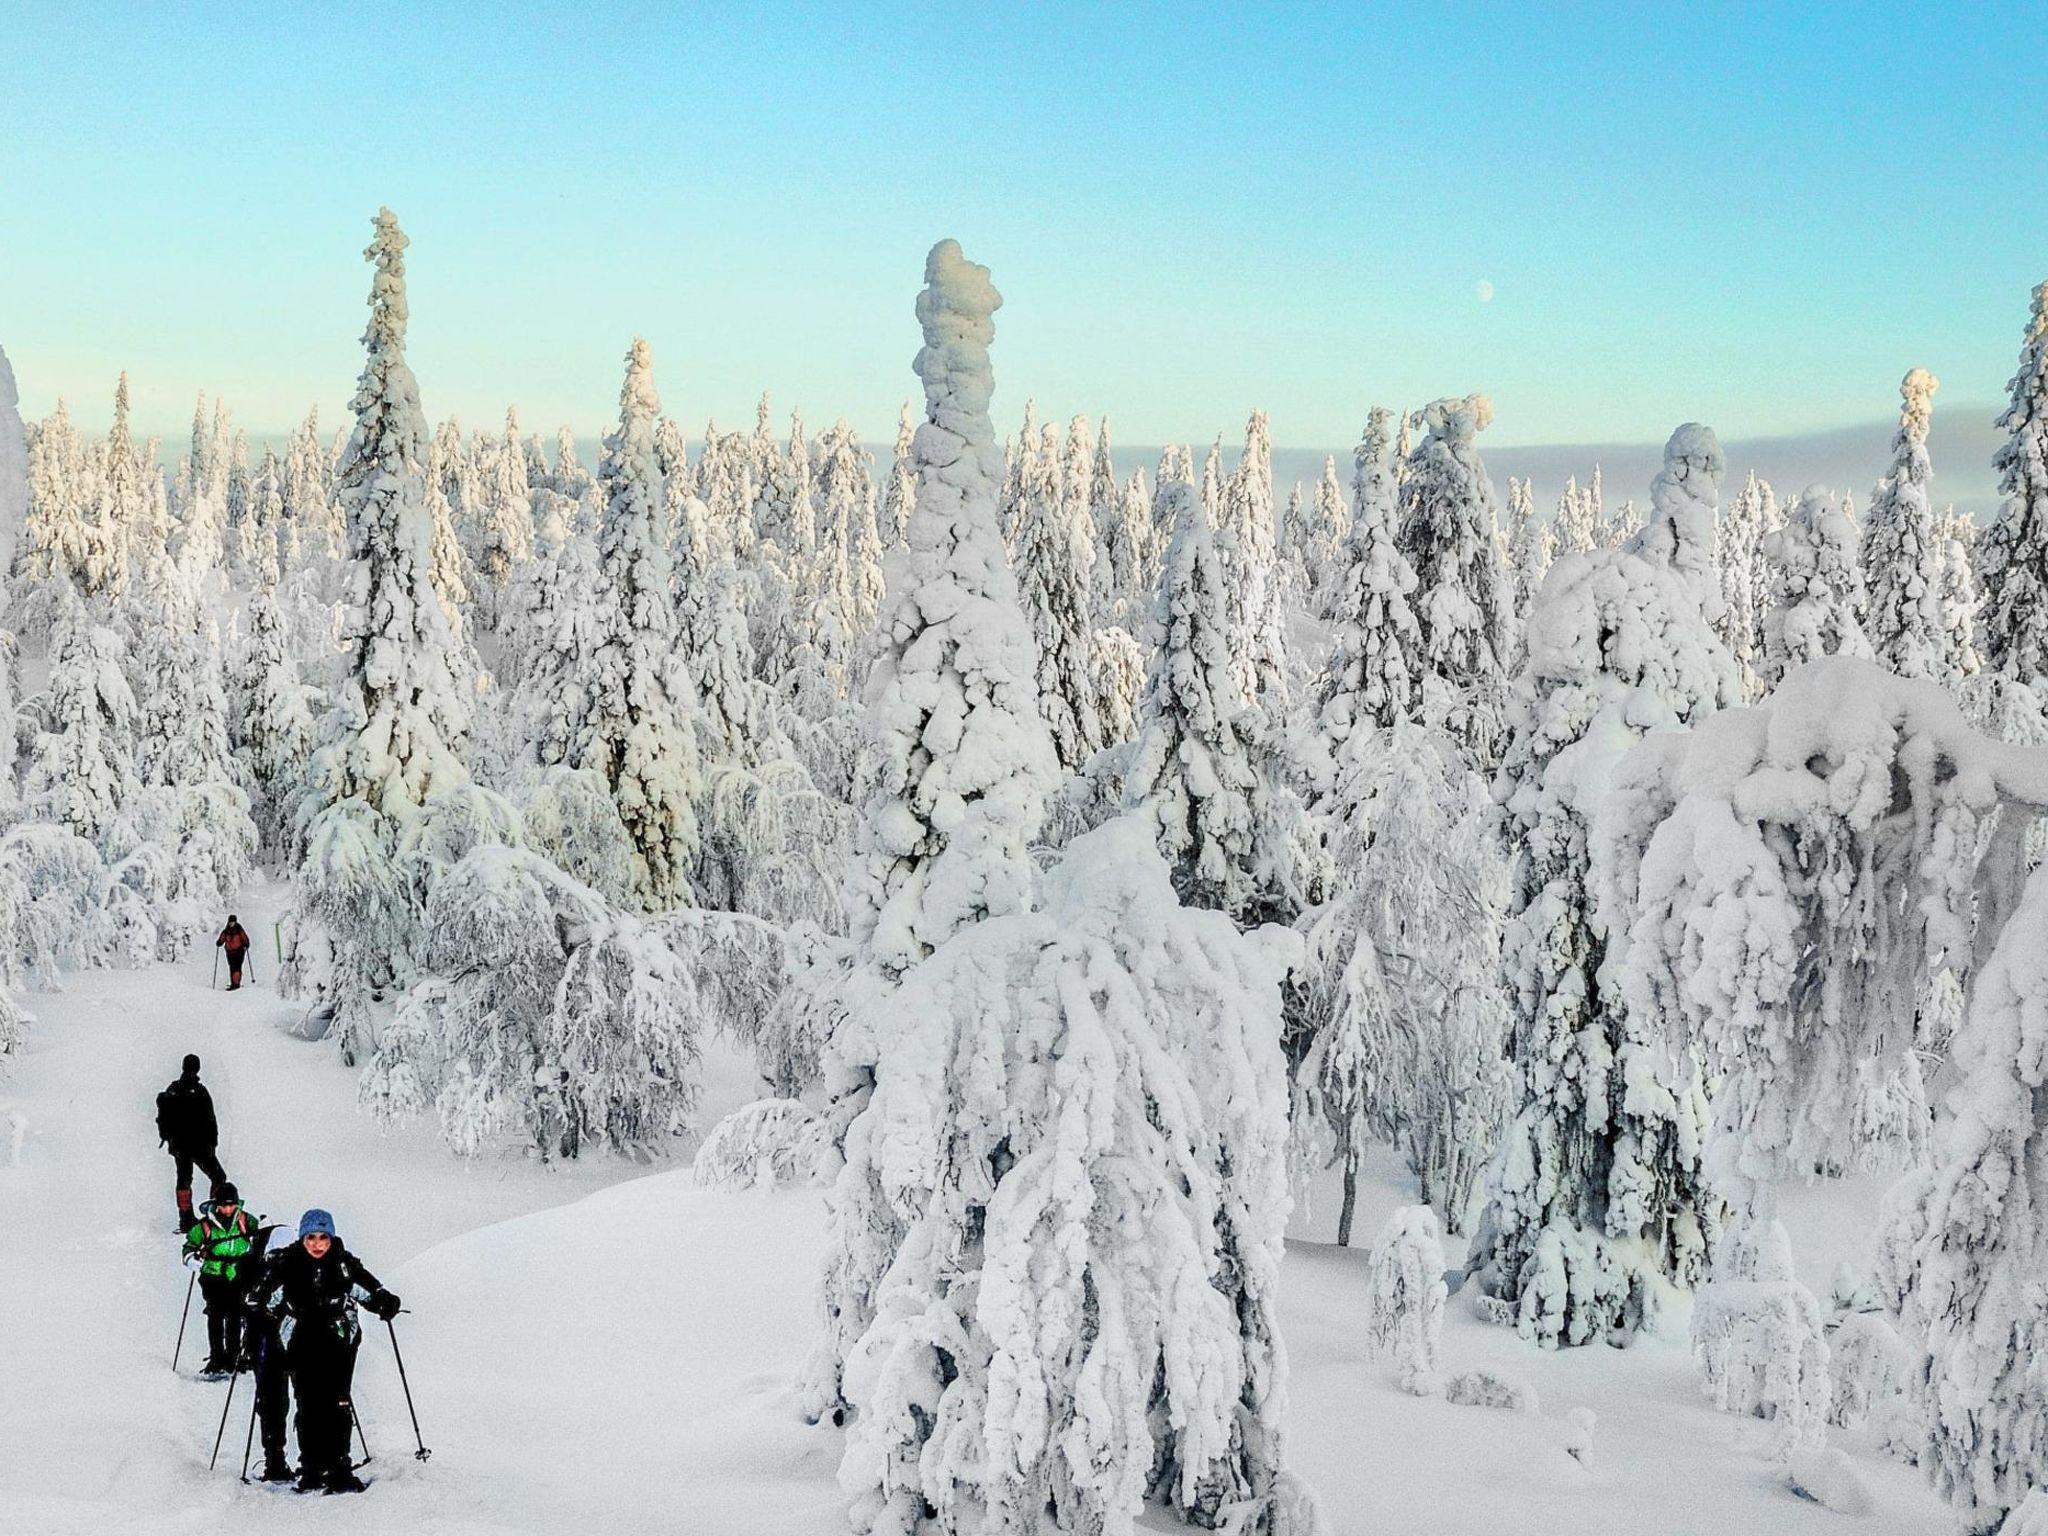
1462	601
2012	554
1085	1120
1405	1323
899	491
1055	558
1817	606
1744	578
956	775
637	729
275	732
81	768
1904	553
1594	1201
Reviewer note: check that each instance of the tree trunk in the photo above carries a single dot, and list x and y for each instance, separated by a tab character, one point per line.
1350	1205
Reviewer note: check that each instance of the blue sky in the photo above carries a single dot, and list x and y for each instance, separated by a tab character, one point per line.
1758	217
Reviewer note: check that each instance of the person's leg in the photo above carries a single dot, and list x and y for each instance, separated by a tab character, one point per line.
306	1386
184	1164
234	973
209	1164
273	1396
219	1301
343	1470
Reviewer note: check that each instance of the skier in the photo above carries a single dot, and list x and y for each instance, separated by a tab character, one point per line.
263	1351
218	1247
311	1292
186	1127
234	942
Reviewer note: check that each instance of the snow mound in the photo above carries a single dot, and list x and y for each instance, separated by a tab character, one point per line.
1829	1479
1491	1389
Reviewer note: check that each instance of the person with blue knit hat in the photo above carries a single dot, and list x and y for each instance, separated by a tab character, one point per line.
312	1290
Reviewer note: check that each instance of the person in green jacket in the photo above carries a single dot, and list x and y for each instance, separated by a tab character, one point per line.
218	1246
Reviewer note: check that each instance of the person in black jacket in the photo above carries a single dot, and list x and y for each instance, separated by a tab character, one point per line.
186	1127
311	1292
263	1351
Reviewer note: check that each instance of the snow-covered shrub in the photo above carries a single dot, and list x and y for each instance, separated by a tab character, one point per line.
1481	1388
354	916
542	1011
1083	1125
768	1144
1760	1344
1868	1365
1405	1317
1827	1476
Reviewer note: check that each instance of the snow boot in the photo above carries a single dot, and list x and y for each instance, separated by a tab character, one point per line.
311	1480
275	1468
345	1480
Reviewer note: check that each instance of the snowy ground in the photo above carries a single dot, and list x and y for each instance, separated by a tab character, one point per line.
600	1350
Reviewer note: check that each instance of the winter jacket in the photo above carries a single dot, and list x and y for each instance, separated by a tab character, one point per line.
234	939
184	1116
222	1247
305	1294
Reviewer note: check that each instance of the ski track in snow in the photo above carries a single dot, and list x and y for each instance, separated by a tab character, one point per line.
595	1349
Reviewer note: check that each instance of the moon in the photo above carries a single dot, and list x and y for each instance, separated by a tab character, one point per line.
1484	289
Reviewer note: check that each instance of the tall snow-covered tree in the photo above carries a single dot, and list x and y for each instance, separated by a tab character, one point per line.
1531	546
1462	601
899	491
1594	1200
957	771
1054	558
1247	542
1321	554
1373	675
2012	554
1200	773
1959	598
81	769
638	730
1743	578
275	731
392	737
1903	551
1817	609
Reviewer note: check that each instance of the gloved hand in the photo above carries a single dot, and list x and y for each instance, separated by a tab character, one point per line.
384	1305
191	1259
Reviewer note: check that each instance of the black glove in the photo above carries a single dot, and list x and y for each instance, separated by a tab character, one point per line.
384	1305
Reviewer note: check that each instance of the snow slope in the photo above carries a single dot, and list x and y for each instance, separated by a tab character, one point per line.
596	1351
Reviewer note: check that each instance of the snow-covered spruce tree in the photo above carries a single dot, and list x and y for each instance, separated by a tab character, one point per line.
1247	542
637	729
1959	599
81	769
1086	1114
275	733
1054	558
1817	607
1462	601
1743	579
543	1010
1903	550
1200	773
123	504
394	729
957	771
1574	524
1531	546
1405	1023
1321	553
505	537
1964	1245
2012	554
1594	1202
899	491
258	550
1797	874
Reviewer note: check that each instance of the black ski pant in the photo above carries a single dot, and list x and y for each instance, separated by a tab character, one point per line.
273	1385
224	1299
323	1366
207	1163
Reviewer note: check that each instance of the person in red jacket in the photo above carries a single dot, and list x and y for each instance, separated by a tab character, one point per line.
234	942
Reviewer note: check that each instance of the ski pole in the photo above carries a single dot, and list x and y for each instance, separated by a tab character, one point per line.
255	1397
233	1376
216	972
182	1316
356	1419
422	1453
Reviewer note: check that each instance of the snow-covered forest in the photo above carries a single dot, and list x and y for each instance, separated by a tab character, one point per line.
1102	869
